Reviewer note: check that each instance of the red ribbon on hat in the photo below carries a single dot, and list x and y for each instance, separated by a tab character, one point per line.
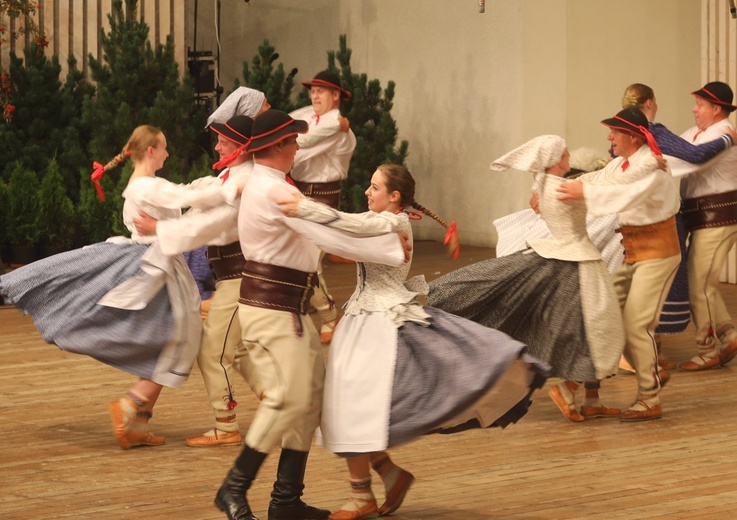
97	172
225	161
648	136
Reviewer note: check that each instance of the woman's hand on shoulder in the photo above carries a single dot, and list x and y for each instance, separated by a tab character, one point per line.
570	191
662	162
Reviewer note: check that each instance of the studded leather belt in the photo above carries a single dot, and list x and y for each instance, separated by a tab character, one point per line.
276	287
716	210
227	262
325	192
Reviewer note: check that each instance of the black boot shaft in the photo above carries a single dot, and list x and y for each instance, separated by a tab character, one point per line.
231	497
286	503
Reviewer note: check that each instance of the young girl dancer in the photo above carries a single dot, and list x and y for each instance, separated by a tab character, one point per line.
398	370
123	302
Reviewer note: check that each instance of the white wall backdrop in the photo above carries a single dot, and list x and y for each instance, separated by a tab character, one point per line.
471	86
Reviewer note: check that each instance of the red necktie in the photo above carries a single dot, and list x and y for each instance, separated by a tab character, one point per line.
315	119
693	140
625	165
289	179
225	175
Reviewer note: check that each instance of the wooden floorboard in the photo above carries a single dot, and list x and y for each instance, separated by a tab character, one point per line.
59	459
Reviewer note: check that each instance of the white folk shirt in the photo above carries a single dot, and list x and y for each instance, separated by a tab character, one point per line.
325	152
216	226
641	195
718	177
270	237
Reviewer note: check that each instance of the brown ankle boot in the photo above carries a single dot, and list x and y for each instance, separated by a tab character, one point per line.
138	434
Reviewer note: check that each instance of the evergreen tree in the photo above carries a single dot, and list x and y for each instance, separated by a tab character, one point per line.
46	121
22	210
73	153
369	113
3	218
55	209
94	217
275	84
138	84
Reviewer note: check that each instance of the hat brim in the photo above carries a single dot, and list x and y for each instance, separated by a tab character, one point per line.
616	124
728	107
344	94
297	126
223	130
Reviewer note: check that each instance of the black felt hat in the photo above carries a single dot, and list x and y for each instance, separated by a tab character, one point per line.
328	79
273	126
630	120
717	93
237	129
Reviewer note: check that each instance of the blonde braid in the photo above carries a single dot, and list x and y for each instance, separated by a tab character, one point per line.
636	95
115	161
629	100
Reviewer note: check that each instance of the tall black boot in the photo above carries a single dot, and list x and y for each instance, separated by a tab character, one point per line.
231	497
286	503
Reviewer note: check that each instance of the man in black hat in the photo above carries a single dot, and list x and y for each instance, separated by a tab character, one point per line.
320	165
709	209
283	345
220	351
645	200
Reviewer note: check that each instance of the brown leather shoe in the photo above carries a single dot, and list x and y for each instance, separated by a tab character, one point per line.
692	366
563	406
120	421
666	363
729	352
215	438
144	438
395	495
364	509
648	414
599	411
664	377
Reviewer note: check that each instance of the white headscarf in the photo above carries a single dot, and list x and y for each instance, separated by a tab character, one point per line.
243	101
536	155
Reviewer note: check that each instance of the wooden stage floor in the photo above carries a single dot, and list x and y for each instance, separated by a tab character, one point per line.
59	458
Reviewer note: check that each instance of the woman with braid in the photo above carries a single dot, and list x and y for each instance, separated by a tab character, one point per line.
122	301
398	370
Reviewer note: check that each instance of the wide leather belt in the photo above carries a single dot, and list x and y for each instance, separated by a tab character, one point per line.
325	192
227	262
276	287
708	211
659	240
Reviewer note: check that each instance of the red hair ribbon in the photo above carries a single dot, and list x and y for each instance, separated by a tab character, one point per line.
97	172
452	240
413	215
